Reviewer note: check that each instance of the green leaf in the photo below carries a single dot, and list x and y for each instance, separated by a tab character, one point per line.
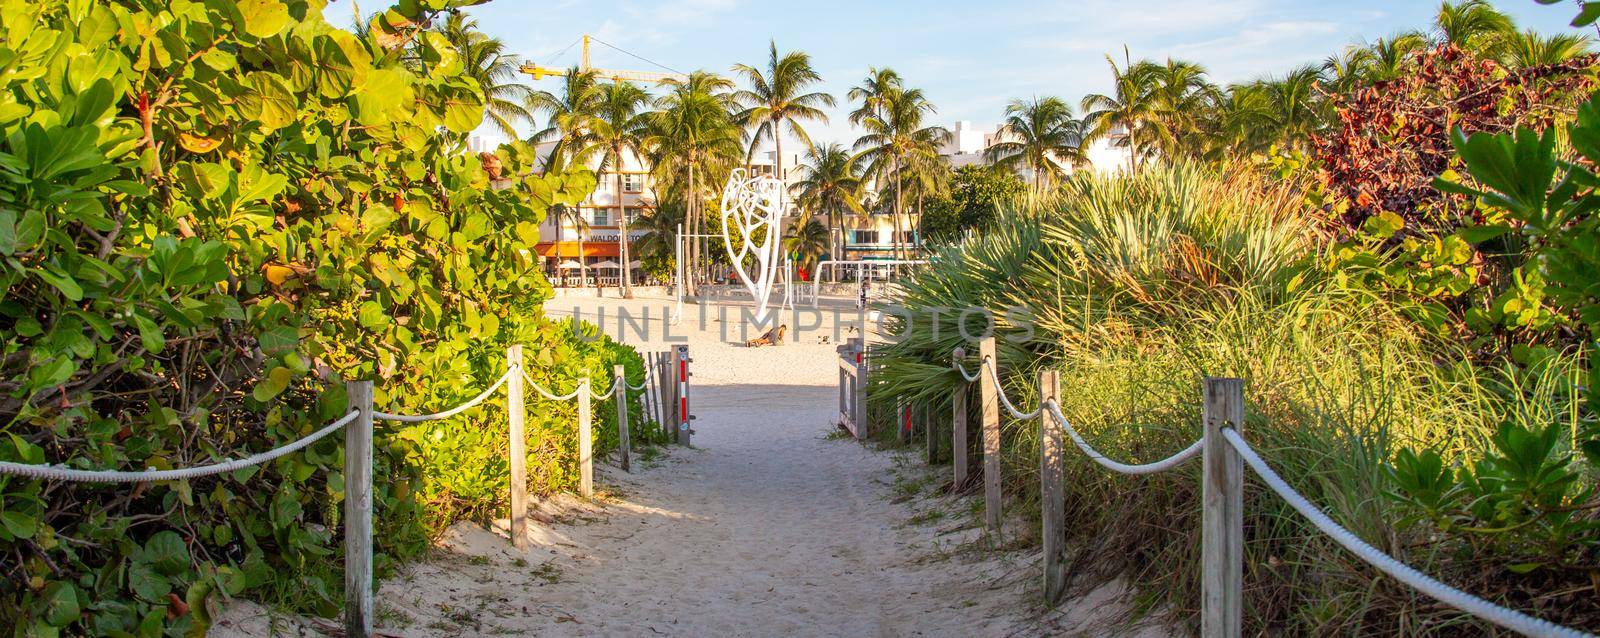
372	316
270	101
382	95
61	604
68	287
146	583
1480	234
19	524
263	18
1384	225
150	335
166	553
275	383
278	339
285	509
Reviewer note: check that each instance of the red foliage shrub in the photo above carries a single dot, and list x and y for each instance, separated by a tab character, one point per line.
1392	138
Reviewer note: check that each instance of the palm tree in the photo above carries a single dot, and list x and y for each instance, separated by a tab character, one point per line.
1344	70
1390	57
563	214
1040	134
570	115
1472	25
1127	108
776	102
506	103
1180	96
618	129
830	184
895	139
1527	49
660	238
692	133
1284	112
807	241
872	92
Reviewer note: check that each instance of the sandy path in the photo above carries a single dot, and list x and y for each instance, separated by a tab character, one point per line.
768	527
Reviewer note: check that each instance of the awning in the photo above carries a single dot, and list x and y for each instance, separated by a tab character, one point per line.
566	249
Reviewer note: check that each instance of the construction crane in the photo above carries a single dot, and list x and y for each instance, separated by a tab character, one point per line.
539	72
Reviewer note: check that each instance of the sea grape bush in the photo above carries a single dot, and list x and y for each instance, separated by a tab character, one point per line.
211	214
1407	238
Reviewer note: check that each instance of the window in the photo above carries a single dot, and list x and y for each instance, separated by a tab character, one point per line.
600	217
865	236
633	215
632	182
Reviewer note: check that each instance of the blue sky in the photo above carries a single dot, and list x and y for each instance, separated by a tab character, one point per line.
971	57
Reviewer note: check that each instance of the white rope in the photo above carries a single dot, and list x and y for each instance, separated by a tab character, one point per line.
1508	618
548	394
416	418
1124	468
959	368
637	388
1004	400
607	395
60	473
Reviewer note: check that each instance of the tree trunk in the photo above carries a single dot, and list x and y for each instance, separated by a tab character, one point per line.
777	173
690	255
626	278
894	241
583	261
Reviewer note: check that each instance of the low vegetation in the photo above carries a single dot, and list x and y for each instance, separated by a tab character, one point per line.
214	214
1137	287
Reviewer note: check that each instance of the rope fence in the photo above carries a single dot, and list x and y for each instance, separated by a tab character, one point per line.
1225	454
357	425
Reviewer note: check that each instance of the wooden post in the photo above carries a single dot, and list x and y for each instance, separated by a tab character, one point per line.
1222	517
358	512
844	387
664	400
958	429
1052	509
621	397
902	418
685	418
990	396
859	402
644	397
585	441
519	449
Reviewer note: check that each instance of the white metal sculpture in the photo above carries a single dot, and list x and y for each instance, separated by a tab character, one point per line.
754	204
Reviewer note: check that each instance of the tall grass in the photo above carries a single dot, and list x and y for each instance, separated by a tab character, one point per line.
1136	289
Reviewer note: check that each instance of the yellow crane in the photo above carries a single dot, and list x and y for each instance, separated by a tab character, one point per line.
539	72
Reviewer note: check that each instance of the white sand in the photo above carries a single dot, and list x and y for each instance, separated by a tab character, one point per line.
769	527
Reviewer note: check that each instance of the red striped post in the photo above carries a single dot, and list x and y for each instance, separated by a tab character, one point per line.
684	431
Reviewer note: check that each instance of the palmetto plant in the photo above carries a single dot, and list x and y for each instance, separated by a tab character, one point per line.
1134	288
618	129
830	184
1041	134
